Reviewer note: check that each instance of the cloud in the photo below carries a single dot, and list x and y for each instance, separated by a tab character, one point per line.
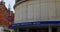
11	2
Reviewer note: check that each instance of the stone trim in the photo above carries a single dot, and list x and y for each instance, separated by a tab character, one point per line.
19	2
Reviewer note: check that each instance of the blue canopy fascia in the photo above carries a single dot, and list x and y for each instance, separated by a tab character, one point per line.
34	23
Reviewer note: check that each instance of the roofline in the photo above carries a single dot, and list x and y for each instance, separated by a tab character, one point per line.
19	3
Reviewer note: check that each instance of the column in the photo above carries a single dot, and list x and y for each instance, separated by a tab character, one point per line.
49	28
17	30
27	30
38	31
58	29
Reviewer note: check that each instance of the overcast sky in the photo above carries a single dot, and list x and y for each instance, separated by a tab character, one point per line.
11	2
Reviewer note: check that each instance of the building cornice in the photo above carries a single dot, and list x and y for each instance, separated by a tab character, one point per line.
19	2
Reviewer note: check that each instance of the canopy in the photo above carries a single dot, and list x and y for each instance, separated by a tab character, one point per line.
34	23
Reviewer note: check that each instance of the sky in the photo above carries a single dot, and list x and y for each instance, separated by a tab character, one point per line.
11	2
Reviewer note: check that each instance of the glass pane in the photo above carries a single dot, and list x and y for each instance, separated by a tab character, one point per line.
22	30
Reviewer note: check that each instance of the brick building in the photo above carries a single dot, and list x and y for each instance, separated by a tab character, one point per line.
6	16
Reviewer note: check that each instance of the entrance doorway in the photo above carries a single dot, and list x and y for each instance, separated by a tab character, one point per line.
54	29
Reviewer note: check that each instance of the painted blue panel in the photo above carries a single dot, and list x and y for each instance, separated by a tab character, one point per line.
50	22
34	23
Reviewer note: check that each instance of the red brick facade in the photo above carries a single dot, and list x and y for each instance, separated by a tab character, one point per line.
4	15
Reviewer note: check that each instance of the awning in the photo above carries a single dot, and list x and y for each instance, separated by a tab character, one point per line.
34	23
